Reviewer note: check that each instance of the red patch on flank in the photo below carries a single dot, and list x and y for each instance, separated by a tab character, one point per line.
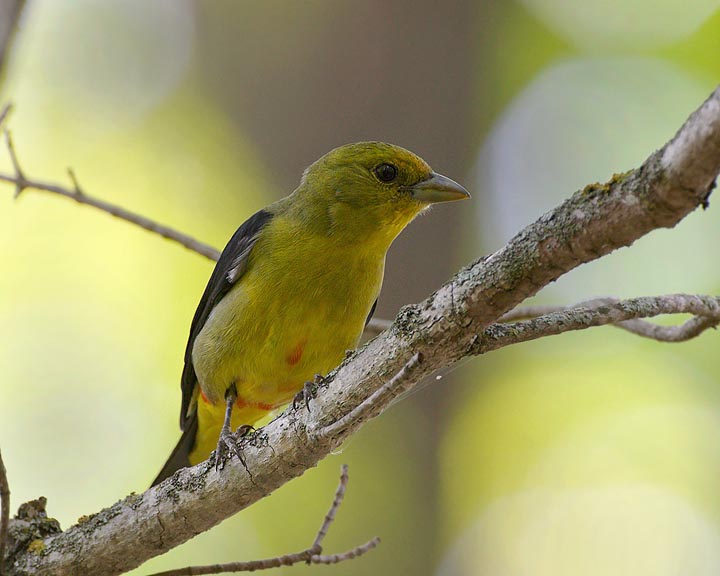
205	398
240	403
294	356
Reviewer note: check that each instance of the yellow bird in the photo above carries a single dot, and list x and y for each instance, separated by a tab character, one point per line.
293	290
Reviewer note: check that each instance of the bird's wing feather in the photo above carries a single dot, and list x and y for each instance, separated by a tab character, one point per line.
372	311
229	269
180	457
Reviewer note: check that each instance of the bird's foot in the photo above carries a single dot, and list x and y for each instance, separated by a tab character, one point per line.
230	443
308	392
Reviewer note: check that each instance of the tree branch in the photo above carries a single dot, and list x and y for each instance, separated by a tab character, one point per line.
5	112
78	194
330	516
312	555
20	181
621	313
373	405
442	329
672	304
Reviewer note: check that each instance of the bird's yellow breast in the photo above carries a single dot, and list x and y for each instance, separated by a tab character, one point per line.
293	314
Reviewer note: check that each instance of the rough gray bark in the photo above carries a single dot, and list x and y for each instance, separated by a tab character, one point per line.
424	337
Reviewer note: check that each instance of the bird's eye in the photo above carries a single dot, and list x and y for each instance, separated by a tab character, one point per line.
386	173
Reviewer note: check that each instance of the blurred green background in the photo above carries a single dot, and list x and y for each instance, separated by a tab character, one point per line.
591	453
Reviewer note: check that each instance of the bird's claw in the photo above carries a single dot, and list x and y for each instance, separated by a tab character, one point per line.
303	397
307	393
231	443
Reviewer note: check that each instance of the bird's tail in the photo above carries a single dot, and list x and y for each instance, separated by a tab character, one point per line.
180	457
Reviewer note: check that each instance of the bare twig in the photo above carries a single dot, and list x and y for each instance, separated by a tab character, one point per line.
330	516
622	313
349	555
686	331
76	185
312	555
5	111
372	406
77	194
286	560
4	513
682	333
20	181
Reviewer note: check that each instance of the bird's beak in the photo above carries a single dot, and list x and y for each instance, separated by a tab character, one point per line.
438	188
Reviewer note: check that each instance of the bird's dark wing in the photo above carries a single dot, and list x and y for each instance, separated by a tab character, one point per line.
228	270
372	311
180	457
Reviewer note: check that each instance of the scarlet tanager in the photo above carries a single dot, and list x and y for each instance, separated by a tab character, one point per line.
294	288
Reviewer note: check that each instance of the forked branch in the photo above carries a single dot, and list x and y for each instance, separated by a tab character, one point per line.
77	194
312	555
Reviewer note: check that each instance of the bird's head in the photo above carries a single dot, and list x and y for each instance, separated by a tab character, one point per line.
374	189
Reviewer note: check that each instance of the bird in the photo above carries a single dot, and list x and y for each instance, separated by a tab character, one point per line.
294	288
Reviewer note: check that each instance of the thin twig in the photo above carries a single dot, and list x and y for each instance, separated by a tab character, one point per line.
114	210
5	111
19	179
76	185
372	406
286	560
330	516
681	333
348	555
312	555
622	313
76	193
5	513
